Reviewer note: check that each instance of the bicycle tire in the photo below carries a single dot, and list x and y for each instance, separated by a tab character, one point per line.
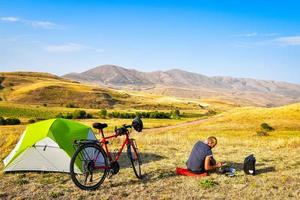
135	158
86	162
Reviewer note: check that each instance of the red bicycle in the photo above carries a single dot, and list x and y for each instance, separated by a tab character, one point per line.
92	160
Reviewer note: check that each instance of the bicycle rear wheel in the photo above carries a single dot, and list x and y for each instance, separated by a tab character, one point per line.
89	166
135	158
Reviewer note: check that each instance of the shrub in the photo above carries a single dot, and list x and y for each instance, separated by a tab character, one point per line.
31	121
159	115
12	121
89	116
79	114
2	121
211	112
71	105
207	183
125	115
266	127
69	116
115	114
155	114
109	115
139	114
22	181
103	113
39	119
59	115
175	114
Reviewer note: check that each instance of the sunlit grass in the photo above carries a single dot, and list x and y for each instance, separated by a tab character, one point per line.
278	159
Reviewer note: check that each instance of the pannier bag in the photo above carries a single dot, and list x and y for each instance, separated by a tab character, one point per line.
249	165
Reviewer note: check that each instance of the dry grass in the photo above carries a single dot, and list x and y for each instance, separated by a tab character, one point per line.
275	180
278	163
250	118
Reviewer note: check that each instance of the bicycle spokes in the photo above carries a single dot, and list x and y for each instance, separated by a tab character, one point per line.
90	161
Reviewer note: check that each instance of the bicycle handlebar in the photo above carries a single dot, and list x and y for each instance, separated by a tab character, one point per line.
127	126
122	130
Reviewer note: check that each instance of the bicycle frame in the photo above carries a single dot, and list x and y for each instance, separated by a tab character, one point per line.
104	142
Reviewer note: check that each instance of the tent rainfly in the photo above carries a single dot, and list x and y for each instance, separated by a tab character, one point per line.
47	146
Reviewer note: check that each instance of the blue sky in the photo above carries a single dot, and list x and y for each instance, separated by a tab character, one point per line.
256	39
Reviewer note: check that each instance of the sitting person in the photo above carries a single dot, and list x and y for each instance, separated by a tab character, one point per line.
201	158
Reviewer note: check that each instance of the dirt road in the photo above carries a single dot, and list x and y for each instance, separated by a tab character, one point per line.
165	128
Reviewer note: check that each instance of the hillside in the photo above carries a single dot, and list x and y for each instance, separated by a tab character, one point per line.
282	119
179	83
45	89
40	88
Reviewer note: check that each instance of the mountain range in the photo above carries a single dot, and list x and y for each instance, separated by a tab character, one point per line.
179	83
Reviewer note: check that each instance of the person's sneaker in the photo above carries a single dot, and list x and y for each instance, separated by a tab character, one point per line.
228	171
224	169
231	172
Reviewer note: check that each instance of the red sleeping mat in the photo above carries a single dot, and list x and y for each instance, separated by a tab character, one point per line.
186	172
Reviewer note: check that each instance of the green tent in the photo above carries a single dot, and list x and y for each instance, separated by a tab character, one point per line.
47	146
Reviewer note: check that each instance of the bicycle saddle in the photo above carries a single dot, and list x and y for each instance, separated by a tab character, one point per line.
99	125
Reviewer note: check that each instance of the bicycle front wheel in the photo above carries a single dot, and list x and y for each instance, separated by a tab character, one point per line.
89	166
135	158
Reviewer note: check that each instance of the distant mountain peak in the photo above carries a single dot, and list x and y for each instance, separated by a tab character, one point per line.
196	85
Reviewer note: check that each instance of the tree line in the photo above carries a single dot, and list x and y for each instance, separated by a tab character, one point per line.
173	114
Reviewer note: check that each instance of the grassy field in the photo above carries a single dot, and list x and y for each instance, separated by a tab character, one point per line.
278	161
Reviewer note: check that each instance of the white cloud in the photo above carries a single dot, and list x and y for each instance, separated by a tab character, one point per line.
43	24
246	34
289	41
275	41
252	44
255	34
10	19
70	47
33	23
13	38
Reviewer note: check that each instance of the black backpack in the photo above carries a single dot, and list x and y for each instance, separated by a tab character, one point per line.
249	165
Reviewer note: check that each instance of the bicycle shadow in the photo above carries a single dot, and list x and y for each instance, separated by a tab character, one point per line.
149	177
124	160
